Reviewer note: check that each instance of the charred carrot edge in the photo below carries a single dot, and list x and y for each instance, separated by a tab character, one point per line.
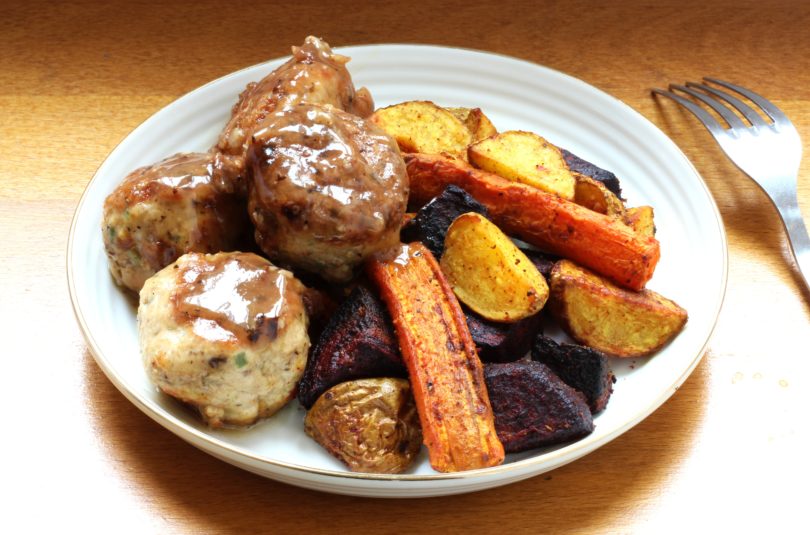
547	221
446	375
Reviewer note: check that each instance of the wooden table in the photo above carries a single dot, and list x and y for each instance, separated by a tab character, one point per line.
728	450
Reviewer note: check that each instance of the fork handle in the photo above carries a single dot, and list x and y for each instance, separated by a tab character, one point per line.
788	207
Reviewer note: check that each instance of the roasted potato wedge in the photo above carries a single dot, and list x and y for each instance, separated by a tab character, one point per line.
641	219
422	126
476	122
488	273
369	424
593	194
608	318
527	158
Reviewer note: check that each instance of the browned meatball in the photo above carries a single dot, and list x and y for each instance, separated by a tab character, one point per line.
328	189
184	203
314	75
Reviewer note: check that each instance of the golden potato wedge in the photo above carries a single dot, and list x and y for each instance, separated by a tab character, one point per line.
488	273
640	219
422	126
603	316
476	122
593	194
524	157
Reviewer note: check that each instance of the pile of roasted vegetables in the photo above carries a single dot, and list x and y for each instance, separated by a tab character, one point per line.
459	291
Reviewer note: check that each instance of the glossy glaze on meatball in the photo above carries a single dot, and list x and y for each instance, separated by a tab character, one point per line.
314	75
327	190
225	333
184	203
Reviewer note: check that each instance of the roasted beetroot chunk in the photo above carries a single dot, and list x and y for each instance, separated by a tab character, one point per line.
533	407
585	369
502	342
432	220
577	164
357	343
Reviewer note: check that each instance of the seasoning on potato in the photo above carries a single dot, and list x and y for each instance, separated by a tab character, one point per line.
488	273
527	158
605	317
422	126
593	194
371	425
476	122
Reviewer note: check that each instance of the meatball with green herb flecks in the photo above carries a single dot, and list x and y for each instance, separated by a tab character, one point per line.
184	203
226	334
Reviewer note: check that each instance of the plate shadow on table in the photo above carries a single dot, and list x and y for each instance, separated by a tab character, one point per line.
193	490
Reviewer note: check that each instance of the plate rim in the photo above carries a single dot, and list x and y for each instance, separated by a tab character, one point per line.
199	438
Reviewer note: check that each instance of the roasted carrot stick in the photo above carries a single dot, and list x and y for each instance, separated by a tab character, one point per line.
447	379
547	221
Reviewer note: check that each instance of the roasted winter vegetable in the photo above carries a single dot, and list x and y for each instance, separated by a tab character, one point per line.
476	122
533	407
640	219
488	273
597	241
431	222
578	165
593	194
358	342
527	158
422	126
582	368
369	424
502	342
603	316
445	372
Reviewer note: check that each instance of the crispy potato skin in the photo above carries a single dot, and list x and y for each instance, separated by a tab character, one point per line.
641	219
594	240
488	273
593	194
369	424
422	126
527	158
476	122
603	316
446	375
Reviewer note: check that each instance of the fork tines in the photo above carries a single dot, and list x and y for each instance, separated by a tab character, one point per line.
704	93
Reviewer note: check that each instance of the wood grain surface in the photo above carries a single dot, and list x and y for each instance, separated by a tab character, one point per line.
728	451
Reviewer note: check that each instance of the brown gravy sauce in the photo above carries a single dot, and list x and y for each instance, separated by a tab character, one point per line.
232	298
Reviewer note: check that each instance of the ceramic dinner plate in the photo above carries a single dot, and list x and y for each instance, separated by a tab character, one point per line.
515	95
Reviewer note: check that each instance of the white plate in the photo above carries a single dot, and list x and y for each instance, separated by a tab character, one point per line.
516	95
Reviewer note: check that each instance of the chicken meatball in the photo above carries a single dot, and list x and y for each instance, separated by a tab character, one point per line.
187	202
314	75
327	190
225	333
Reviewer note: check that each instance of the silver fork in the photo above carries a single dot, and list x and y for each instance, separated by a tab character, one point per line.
768	151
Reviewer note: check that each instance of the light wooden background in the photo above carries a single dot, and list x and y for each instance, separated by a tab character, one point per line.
727	452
